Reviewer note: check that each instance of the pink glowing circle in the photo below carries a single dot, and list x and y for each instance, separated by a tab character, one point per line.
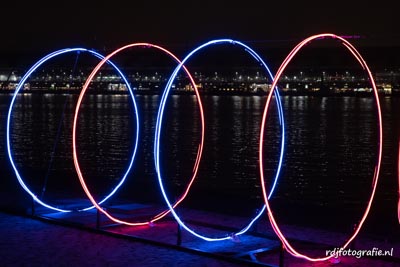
398	178
75	156
283	66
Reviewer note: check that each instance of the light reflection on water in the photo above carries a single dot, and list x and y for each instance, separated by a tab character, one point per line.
329	158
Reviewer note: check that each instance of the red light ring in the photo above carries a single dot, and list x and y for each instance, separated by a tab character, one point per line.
75	156
283	66
398	177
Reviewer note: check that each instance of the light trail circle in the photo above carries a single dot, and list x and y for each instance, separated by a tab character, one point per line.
284	64
398	184
19	88
159	125
75	156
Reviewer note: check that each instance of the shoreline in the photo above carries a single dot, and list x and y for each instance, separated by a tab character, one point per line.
93	92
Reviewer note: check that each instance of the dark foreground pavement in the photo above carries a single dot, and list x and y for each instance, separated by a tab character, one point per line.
27	241
30	242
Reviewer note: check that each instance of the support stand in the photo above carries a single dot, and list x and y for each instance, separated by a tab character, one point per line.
98	219
282	255
179	236
255	225
33	208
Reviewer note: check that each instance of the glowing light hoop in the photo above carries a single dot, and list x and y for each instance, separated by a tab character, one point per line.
158	133
364	65
17	90
75	157
398	184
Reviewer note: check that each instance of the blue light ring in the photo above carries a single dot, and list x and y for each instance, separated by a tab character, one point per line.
158	133
20	87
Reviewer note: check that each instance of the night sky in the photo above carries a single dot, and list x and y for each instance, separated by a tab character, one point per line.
44	26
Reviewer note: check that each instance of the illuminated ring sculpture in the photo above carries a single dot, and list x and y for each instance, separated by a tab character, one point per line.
158	133
75	156
20	87
398	184
364	65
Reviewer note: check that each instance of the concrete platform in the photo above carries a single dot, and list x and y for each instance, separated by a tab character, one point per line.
75	239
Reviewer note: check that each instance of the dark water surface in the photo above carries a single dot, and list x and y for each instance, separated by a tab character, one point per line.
330	153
